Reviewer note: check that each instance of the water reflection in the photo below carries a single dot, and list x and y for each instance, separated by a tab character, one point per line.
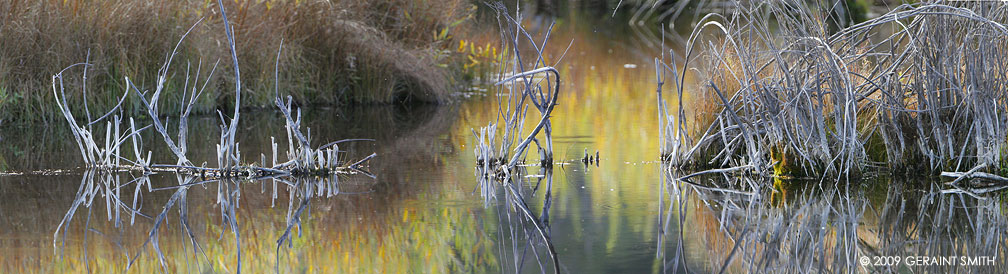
403	219
424	213
122	214
523	233
718	223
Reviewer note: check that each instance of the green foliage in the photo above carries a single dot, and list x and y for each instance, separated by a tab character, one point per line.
857	10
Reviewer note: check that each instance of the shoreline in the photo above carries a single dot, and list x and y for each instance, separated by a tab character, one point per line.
384	52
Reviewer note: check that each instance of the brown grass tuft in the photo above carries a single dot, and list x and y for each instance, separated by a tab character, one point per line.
334	51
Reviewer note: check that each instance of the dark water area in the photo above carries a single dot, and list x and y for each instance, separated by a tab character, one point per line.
423	211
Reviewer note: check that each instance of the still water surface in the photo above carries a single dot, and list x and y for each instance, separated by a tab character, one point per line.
423	211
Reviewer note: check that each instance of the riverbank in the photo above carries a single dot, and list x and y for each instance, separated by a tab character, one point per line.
334	52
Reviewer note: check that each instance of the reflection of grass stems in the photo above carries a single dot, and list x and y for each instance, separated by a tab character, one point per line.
396	238
807	228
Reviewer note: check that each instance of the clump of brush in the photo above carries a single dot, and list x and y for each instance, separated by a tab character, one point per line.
921	88
519	87
106	154
503	145
314	169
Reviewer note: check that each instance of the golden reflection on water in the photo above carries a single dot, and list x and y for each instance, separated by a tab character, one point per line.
421	213
607	103
414	217
351	233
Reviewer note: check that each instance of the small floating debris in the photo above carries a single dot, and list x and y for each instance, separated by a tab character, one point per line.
976	181
630	66
589	159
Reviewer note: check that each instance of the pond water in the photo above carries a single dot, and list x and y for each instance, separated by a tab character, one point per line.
423	211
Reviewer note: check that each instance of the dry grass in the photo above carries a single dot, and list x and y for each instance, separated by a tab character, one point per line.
334	51
919	90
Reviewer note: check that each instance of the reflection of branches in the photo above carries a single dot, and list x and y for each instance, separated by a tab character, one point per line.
109	186
766	238
521	220
97	183
664	219
941	225
304	190
823	230
159	220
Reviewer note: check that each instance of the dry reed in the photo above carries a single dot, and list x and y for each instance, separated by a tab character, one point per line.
924	83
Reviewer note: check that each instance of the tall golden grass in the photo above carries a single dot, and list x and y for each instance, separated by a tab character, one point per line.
334	51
